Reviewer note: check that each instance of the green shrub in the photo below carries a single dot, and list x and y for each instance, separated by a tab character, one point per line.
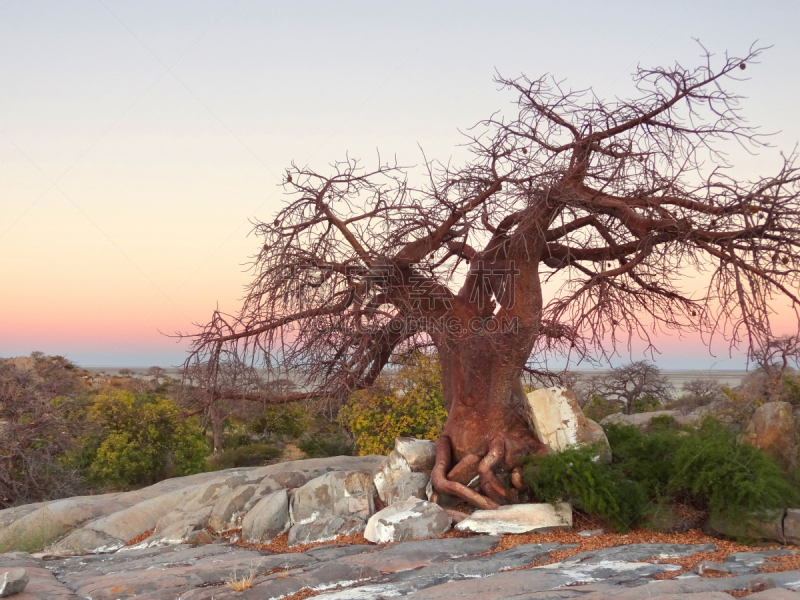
405	402
705	466
139	439
250	455
598	408
324	445
646	459
575	476
278	422
662	423
737	483
646	403
236	434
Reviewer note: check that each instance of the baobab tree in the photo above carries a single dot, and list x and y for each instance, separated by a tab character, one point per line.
629	383
774	359
618	204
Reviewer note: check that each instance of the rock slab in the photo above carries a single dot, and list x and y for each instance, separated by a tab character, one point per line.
407	520
519	518
791	526
393	468
410	455
325	529
342	493
559	423
772	429
420	454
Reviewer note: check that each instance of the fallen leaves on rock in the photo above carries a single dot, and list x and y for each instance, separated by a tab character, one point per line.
643	536
582	544
738	593
790	562
280	545
306	593
140	538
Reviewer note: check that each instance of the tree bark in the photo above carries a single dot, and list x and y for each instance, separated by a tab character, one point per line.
479	386
486	432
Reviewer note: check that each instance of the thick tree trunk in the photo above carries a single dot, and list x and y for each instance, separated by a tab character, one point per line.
479	387
486	431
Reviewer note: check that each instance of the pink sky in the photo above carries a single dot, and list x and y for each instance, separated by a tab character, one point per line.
137	140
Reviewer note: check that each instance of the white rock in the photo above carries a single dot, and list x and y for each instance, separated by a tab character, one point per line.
558	421
419	454
407	520
519	518
591	532
14	582
393	468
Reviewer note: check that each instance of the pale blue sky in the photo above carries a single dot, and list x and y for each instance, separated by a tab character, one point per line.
138	138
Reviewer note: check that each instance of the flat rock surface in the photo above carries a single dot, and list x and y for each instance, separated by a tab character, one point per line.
181	540
442	568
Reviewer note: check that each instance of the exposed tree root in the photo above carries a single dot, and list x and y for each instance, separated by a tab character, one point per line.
444	454
466	469
489	483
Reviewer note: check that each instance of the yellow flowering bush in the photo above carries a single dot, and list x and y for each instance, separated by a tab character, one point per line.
407	401
140	439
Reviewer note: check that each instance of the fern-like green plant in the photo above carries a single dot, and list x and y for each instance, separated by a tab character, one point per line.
575	476
738	484
707	466
647	459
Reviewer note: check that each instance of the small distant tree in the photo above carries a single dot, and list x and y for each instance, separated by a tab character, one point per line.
708	389
699	392
639	382
238	390
775	360
157	373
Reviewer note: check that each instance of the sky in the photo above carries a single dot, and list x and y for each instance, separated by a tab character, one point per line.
138	140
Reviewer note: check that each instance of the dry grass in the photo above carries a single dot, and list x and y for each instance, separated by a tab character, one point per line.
240	585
